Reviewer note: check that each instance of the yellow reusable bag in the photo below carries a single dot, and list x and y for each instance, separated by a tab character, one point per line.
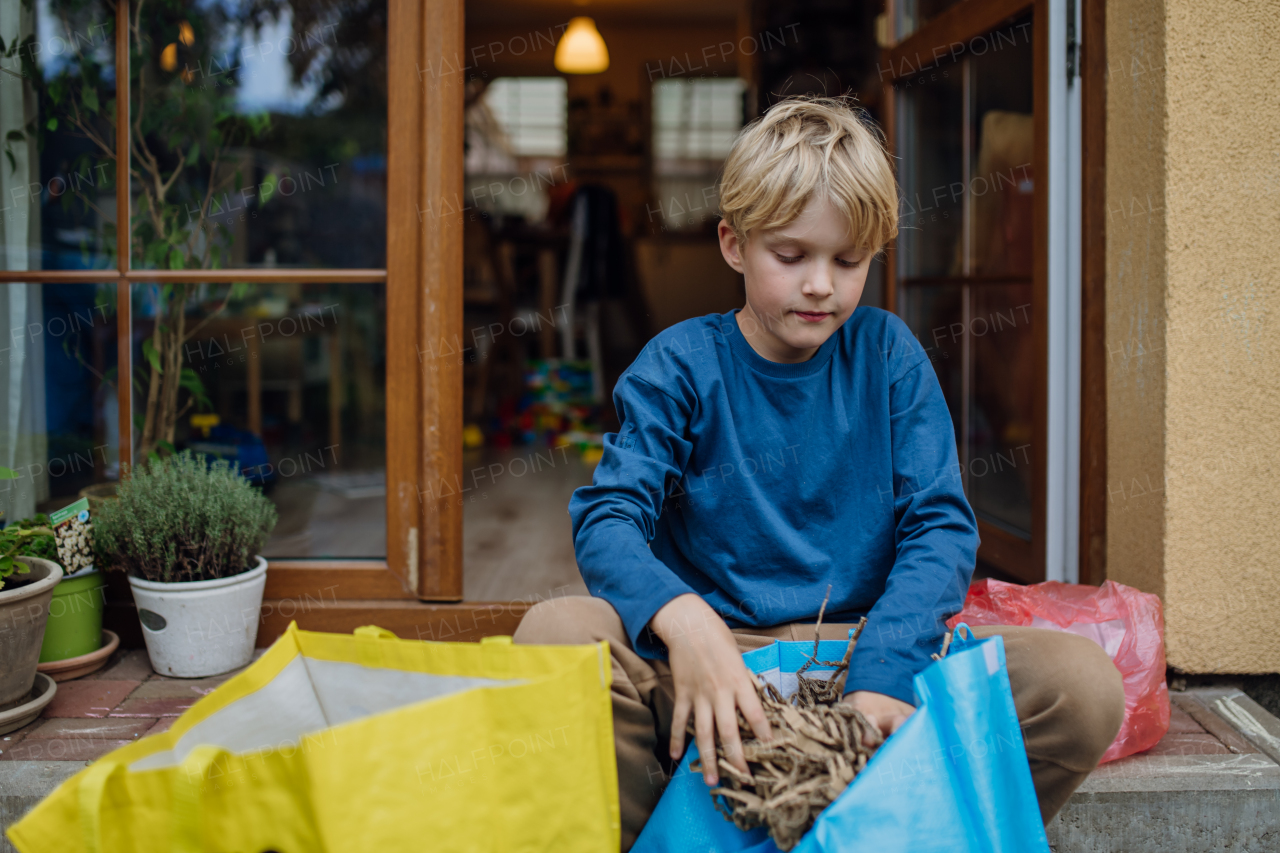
335	743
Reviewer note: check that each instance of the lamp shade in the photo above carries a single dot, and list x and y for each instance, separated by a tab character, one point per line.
581	49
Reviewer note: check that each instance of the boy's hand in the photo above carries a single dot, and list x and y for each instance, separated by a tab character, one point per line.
883	712
710	680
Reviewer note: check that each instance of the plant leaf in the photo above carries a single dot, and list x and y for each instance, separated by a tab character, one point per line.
52	124
151	354
90	98
8	473
190	381
267	188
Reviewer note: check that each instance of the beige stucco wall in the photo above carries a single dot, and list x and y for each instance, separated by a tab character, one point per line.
1193	291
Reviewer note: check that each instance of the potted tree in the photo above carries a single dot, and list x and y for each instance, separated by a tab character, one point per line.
188	531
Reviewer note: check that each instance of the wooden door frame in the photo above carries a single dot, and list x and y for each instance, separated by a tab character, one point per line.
918	52
1093	296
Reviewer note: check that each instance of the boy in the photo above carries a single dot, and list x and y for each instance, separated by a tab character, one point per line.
788	446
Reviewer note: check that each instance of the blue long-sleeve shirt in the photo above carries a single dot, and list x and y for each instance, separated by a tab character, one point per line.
755	484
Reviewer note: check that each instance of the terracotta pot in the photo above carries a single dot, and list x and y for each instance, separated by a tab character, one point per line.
24	609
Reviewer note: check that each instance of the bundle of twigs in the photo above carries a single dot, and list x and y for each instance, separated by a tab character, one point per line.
817	749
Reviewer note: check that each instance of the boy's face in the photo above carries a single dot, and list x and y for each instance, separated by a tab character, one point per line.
803	280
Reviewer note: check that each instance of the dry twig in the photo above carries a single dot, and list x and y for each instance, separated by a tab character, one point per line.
946	644
819	744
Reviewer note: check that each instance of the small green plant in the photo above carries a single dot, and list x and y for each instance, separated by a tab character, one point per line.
184	518
31	537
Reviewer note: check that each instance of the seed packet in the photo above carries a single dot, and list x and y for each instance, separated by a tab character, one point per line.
73	532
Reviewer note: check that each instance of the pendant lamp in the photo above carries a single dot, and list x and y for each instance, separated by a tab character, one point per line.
581	49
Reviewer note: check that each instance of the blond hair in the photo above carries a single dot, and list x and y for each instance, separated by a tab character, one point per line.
803	147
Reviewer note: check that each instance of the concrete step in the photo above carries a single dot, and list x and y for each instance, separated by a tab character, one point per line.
1226	803
25	783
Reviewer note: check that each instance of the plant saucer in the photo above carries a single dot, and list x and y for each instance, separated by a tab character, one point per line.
69	668
42	693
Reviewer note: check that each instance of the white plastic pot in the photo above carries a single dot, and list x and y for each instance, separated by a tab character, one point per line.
201	628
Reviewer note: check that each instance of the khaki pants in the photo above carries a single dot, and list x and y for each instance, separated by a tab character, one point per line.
1068	694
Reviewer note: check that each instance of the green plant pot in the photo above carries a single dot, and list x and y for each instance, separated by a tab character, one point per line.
75	617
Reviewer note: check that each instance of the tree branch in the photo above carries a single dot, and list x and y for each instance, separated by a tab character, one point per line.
91	205
214	313
89	133
182	162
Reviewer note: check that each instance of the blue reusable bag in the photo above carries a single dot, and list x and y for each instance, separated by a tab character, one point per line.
953	779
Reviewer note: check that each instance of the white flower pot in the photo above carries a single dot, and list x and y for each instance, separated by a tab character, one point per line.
201	628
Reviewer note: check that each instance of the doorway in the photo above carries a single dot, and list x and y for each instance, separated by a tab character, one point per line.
591	227
971	111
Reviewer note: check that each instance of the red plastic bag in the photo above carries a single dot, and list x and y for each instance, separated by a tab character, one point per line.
1127	623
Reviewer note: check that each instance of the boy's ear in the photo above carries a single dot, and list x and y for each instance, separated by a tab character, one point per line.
730	246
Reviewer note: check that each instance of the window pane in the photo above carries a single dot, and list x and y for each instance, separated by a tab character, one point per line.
288	380
264	135
516	139
1001	413
695	120
694	125
914	14
934	314
57	132
930	137
58	417
531	114
1003	178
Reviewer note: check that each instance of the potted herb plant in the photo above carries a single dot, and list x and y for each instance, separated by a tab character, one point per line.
188	531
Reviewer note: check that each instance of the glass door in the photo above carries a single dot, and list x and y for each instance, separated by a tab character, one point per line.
968	262
200	252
